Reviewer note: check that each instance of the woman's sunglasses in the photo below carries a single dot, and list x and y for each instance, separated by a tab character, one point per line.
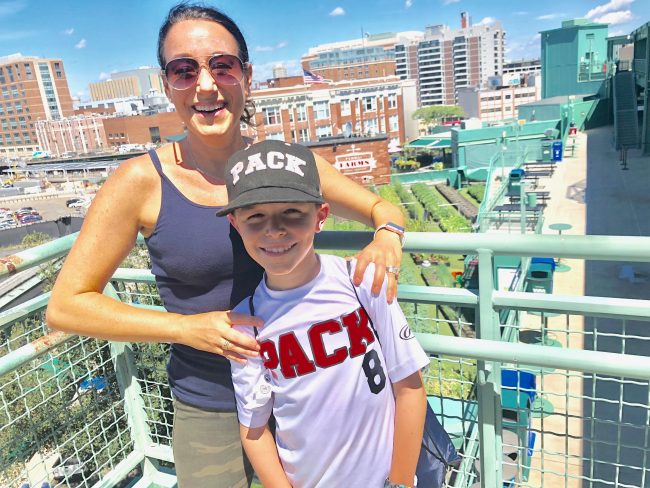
183	73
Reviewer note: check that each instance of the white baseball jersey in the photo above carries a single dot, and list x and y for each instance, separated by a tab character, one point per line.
325	371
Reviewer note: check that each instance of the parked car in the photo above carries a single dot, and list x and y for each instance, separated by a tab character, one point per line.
30	219
79	202
25	209
69	202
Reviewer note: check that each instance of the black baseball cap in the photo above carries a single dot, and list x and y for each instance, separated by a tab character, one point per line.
271	171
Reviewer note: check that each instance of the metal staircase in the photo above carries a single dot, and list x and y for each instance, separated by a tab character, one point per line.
626	123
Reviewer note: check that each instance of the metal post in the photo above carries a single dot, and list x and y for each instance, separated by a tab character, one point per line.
522	206
488	390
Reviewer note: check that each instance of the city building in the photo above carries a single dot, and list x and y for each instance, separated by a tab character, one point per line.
71	136
370	56
498	102
574	58
143	129
522	66
124	84
32	89
448	59
302	113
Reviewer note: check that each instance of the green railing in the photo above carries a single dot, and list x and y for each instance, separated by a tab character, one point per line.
102	410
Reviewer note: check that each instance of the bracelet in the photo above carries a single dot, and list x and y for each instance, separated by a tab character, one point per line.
390	226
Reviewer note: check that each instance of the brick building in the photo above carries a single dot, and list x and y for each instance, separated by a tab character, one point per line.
31	89
302	113
363	159
141	129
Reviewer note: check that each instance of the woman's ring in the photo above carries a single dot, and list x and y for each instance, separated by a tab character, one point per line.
393	269
226	345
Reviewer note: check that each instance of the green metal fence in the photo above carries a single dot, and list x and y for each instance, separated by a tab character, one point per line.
535	390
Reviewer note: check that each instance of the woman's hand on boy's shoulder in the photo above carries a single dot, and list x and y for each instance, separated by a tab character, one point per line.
214	332
384	250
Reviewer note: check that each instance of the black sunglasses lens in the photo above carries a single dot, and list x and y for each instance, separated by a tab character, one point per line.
182	73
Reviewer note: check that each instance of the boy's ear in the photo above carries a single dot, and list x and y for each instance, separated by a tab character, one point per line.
233	221
321	216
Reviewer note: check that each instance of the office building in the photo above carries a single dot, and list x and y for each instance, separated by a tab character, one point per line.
31	89
448	59
522	66
370	56
124	84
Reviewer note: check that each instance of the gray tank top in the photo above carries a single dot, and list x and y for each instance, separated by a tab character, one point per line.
200	265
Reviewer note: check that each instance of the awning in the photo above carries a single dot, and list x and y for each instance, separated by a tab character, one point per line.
428	143
176	137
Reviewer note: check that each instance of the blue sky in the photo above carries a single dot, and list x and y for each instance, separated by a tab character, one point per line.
95	38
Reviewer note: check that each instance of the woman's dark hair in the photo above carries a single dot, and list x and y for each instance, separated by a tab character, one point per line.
197	11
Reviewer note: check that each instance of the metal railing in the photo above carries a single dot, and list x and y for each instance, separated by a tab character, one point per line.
535	390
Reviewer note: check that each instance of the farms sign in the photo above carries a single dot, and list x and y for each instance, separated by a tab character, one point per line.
355	162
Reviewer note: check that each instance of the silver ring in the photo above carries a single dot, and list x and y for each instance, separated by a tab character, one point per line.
226	345
393	269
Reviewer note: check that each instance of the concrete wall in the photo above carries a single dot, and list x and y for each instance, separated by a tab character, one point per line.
58	228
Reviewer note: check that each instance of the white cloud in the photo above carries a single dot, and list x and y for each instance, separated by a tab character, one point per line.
611	6
523	48
613	18
68	32
265	49
104	76
617	32
487	21
81	44
337	11
449	2
10	8
550	16
520	12
408	3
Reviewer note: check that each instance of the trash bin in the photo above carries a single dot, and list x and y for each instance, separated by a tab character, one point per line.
557	151
539	278
547	151
515	178
531	199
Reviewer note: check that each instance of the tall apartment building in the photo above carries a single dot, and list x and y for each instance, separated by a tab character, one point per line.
370	56
523	66
132	83
446	60
302	113
31	89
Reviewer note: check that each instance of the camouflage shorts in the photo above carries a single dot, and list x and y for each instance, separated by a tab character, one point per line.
207	449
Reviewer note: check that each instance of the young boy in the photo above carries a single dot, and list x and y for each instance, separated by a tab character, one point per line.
340	372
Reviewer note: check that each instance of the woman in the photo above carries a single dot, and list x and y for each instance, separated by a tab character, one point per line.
202	270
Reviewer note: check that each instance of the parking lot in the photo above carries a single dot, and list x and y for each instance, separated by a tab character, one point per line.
50	209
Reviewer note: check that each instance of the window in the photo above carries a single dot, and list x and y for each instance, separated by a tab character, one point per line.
369	104
393	123
370	126
2	110
5	93
392	100
291	118
14	91
23	123
323	131
345	106
276	136
304	135
271	115
154	133
322	110
28	71
301	112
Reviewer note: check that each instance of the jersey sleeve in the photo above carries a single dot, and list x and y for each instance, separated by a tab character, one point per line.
252	389
402	352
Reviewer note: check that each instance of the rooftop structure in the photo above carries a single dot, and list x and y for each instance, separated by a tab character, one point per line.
131	83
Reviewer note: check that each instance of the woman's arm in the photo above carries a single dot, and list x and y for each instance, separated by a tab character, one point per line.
125	204
352	201
410	412
260	448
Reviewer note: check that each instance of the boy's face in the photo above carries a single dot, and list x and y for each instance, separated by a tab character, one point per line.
280	237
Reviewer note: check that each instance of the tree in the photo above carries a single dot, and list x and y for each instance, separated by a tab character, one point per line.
433	113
